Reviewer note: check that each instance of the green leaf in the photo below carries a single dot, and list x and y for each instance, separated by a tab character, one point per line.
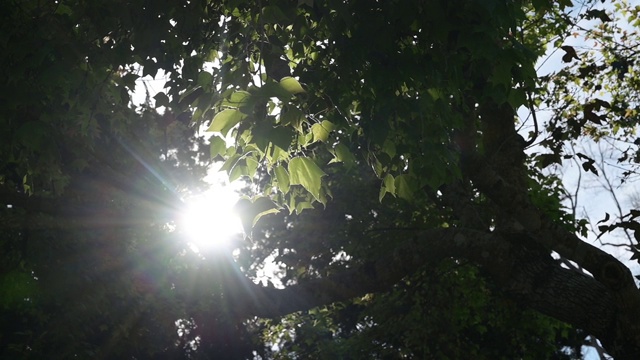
217	146
34	135
150	68
342	154
301	206
230	163
389	147
502	74
161	99
324	192
435	93
226	120
252	165
597	14
382	193
291	85
277	154
26	186
273	14
205	79
388	186
282	176
321	131
304	171
305	139
251	211
62	9
272	89
129	80
238	170
389	183
281	136
544	160
517	98
264	206
238	99
405	186
16	286
190	96
293	117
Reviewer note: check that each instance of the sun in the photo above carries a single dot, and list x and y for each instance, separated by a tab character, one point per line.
209	221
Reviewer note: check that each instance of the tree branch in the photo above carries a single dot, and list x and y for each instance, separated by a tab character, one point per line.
502	177
527	274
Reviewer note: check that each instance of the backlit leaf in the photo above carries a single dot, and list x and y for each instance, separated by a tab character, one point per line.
282	176
291	85
217	146
322	130
226	120
389	183
293	117
342	154
230	163
301	206
252	165
388	186
238	99
238	170
304	171
251	211
272	89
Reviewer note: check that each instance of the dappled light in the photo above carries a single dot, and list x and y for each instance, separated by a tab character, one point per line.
442	179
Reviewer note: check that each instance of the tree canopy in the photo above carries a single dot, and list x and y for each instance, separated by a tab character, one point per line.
408	169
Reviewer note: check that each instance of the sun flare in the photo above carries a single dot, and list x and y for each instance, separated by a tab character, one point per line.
209	220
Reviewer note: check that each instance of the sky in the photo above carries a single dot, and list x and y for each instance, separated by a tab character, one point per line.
592	200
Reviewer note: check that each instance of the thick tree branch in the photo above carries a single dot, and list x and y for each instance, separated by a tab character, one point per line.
528	274
501	175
